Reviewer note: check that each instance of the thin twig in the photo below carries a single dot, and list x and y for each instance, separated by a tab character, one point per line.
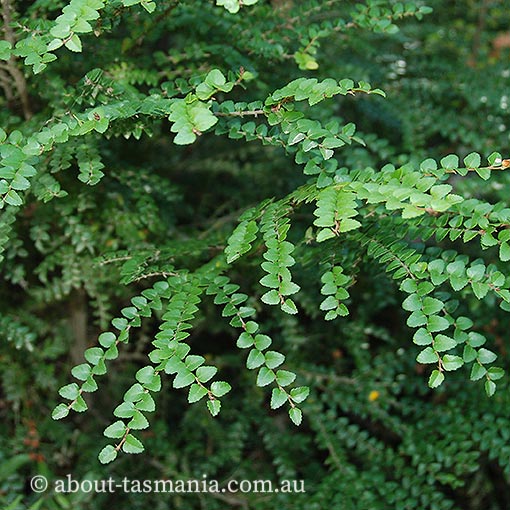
254	113
5	83
12	68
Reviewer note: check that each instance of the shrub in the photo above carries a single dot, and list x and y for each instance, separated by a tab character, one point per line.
296	205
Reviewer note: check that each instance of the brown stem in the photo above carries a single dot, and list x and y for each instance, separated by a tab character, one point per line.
5	83
14	71
255	113
78	322
482	18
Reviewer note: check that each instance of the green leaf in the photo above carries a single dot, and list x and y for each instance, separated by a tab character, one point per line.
288	288
107	454
101	125
299	394
464	323
429	165
477	372
278	398
232	6
120	323
70	391
61	30
183	378
115	430
61	411
485	356
138	422
504	252
130	312
149	6
480	289
412	303
19	183
79	405
94	355
185	137
262	342
139	302
476	272
495	373
220	388
451	362
274	359
146	403
484	173
432	306
214	407
196	393
271	298
490	387
251	327
201	116
74	44
409	286
289	307
416	319
469	354
427	356
494	158
326	153
270	280
134	394
240	241
107	339
422	337
436	379
193	362
436	323
82	26
82	372
132	445
124	410
476	339
173	364
348	224
112	352
206	373
265	376
5	53
296	416
444	343
472	160
325	234
245	340
217	79
284	377
12	198
425	288
145	375
450	162
255	359
89	385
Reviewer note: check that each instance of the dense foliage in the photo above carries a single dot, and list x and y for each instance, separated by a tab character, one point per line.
256	240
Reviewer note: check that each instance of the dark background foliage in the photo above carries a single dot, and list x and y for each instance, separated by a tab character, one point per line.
374	436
